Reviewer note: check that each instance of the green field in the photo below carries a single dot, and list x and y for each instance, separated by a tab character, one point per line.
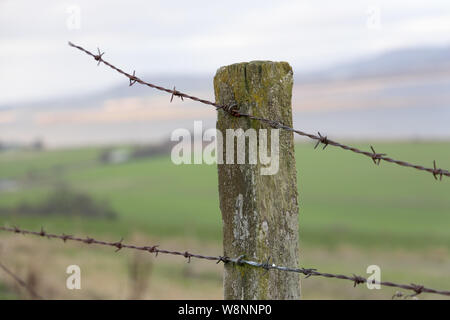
345	200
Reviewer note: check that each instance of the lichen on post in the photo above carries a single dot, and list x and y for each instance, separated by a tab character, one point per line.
259	211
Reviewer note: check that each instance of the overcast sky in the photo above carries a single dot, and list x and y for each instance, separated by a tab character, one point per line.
157	37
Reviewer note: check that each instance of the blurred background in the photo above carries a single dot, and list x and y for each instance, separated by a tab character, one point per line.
83	153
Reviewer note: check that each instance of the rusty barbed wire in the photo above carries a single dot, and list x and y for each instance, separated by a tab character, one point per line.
21	282
437	173
266	265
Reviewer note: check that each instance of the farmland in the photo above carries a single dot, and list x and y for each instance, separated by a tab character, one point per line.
352	214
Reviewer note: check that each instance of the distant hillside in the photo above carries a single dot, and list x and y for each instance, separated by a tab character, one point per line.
400	94
187	83
402	61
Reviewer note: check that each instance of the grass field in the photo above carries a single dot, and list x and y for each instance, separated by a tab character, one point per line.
352	214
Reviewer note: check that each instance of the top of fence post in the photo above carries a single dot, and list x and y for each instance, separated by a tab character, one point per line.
258	201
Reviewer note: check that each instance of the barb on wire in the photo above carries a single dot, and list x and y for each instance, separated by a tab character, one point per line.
118	245
404	296
376	157
176	94
266	265
437	172
21	282
308	272
133	78
323	140
99	56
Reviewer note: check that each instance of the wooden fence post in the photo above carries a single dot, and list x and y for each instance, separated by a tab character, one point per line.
259	211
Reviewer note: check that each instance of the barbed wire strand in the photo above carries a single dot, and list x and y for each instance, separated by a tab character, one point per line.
437	173
21	282
417	289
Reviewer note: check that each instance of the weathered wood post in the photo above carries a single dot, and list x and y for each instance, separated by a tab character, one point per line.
259	210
